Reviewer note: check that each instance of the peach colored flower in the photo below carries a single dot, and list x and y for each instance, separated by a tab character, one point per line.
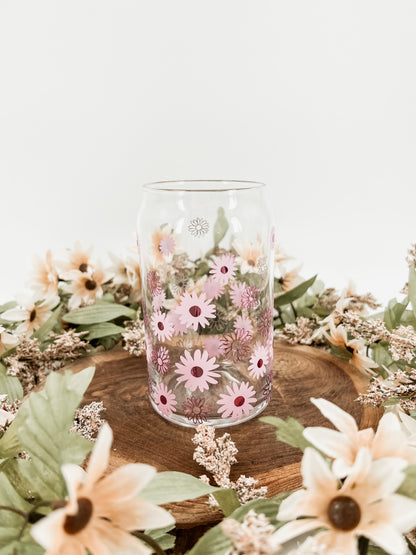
32	313
45	277
365	504
163	244
85	287
250	255
101	510
78	258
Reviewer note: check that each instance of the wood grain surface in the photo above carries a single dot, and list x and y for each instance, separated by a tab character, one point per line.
141	435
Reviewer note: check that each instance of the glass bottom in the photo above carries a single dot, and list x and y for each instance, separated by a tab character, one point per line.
216	422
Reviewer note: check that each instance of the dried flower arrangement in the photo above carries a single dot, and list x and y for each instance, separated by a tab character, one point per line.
359	485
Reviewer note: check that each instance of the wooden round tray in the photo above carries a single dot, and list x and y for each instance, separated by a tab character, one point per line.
141	435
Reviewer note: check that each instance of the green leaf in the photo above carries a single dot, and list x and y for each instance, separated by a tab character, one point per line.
381	354
408	486
375	550
9	497
227	500
43	332
289	431
202	270
295	293
215	542
101	330
99	312
393	314
220	227
43	428
172	487
160	535
26	546
10	385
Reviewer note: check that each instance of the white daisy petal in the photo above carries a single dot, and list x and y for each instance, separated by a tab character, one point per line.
339	418
100	454
386	537
315	471
296	528
332	443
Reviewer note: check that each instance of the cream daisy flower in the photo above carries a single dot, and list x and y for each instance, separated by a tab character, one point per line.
7	340
126	273
163	244
32	313
85	288
250	256
78	259
343	445
45	277
339	338
290	279
363	505
101	510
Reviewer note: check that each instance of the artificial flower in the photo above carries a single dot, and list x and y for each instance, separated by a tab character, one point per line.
249	256
85	287
45	277
363	505
343	446
258	361
101	510
239	401
290	279
162	326
32	313
77	259
165	399
7	340
197	370
223	268
194	310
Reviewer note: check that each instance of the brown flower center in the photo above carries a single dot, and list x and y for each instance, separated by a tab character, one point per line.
195	311
344	513
238	401
90	284
32	315
224	269
251	262
260	363
160	326
163	400
197	371
77	522
83	267
350	349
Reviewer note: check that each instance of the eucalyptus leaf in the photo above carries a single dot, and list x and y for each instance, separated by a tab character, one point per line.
220	227
99	312
227	500
101	330
10	385
289	431
393	314
161	536
7	306
295	293
172	487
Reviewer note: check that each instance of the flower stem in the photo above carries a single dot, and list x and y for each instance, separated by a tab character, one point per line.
295	314
13	510
363	545
150	541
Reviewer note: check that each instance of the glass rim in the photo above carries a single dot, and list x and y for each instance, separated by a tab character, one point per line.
202	185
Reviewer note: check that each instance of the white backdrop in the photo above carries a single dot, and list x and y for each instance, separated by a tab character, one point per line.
315	98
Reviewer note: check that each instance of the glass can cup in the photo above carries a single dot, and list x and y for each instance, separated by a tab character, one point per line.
206	257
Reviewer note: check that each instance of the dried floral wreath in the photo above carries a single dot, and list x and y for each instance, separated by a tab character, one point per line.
359	493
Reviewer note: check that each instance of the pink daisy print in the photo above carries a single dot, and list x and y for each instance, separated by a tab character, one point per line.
243	323
194	309
197	371
161	360
239	401
258	361
167	245
265	322
213	289
223	269
236	345
178	327
161	326
213	346
196	409
164	399
236	293
250	297
158	300
268	387
153	282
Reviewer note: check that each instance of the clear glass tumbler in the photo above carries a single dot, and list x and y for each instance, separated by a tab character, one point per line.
206	255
